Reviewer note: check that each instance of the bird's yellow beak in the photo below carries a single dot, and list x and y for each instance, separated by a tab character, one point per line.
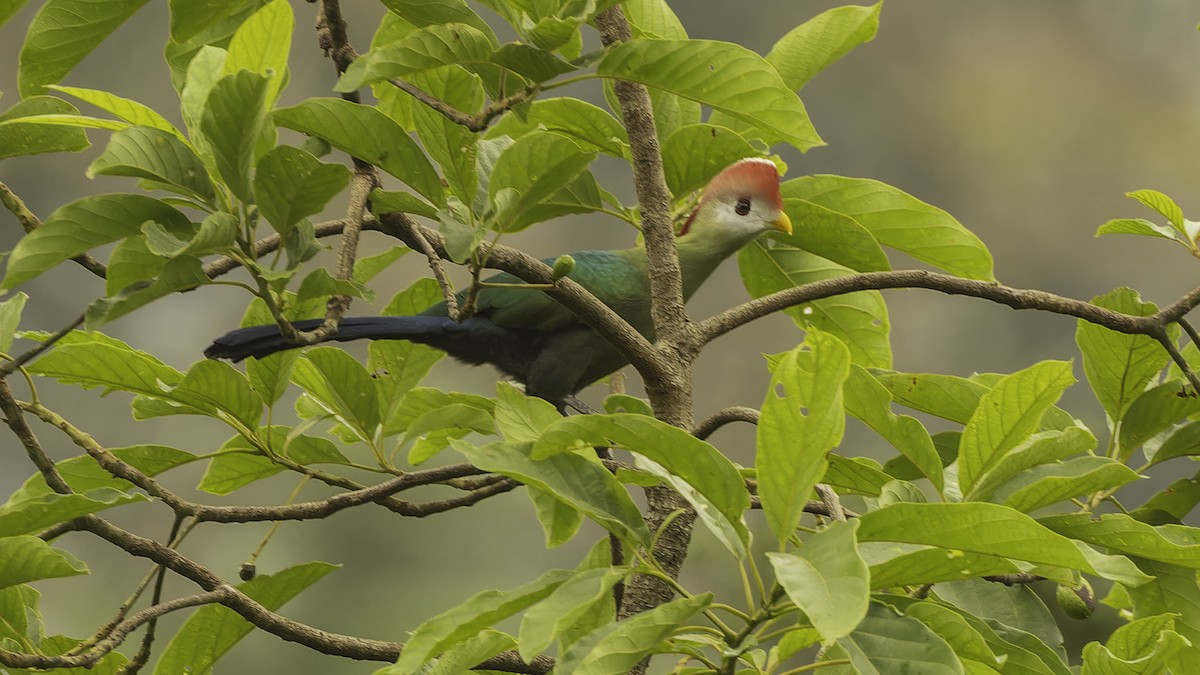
782	223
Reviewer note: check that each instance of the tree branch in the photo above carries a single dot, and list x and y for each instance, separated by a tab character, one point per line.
736	413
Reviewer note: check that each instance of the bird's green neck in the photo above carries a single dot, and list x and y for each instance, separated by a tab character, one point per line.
699	255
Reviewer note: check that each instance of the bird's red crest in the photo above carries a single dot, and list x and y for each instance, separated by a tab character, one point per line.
751	177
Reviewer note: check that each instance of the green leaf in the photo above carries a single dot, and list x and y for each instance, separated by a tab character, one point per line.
178	274
428	12
616	647
1172	503
1164	205
23	133
106	363
570	602
560	521
320	284
1183	442
399	365
213	630
290	184
234	114
10	318
157	155
694	153
83	473
834	236
870	402
1117	365
885	640
417	402
973	526
62	33
383	201
1042	448
683	456
131	111
946	396
423	49
583	122
217	234
1006	416
827	579
534	166
967	642
721	75
369	135
894	565
859	319
41	511
1011	607
580	481
448	143
340	385
804	400
189	18
481	610
900	221
217	389
1136	648
240	463
1154	411
819	42
533	64
261	45
1174	544
1052	483
1174	590
855	474
522	418
28	558
1137	226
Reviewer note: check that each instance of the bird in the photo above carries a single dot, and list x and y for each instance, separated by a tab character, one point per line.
527	335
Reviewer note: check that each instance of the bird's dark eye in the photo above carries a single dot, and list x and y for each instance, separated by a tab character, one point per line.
743	206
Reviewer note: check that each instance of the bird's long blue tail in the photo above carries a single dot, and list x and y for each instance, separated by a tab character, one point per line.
260	341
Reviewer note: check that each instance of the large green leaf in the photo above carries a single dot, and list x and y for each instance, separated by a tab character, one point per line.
827	579
39	511
448	143
368	134
178	274
1154	411
189	18
239	463
900	221
803	419
1174	544
464	621
1041	448
213	630
261	45
860	319
694	153
534	167
63	32
424	49
1051	483
290	184
870	402
581	121
83	473
888	644
126	109
1006	416
819	42
1117	365
894	565
580	481
1011	607
687	462
423	13
30	137
721	75
834	236
233	116
973	526
1137	648
340	385
570	602
616	647
154	154
93	360
28	558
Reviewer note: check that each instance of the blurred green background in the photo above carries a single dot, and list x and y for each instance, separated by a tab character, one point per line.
1027	120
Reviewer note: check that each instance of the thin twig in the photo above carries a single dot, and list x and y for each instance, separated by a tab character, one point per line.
10	367
1168	344
736	413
